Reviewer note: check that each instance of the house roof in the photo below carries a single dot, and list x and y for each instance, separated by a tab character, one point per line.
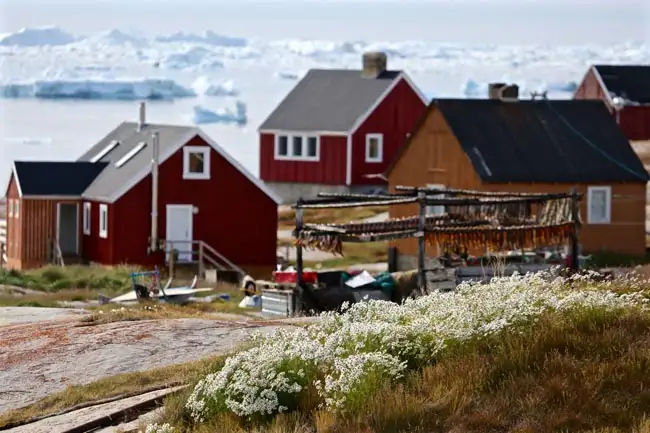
329	100
539	140
631	82
55	178
114	181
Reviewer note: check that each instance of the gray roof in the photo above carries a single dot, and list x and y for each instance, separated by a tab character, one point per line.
328	100
112	178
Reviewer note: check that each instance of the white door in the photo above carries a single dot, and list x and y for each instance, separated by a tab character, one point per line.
179	230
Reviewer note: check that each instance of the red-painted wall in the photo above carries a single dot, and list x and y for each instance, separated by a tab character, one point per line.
94	248
634	120
394	118
235	217
328	170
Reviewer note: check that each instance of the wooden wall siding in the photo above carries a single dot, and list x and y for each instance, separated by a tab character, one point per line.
635	122
39	229
13	223
328	170
235	217
394	118
436	157
590	88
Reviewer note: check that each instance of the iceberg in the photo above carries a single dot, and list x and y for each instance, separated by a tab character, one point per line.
117	37
37	36
197	56
201	115
205	86
209	38
119	89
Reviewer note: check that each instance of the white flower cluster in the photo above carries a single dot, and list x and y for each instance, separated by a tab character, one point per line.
345	356
155	428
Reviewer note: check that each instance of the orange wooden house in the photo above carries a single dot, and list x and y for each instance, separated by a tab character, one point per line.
543	146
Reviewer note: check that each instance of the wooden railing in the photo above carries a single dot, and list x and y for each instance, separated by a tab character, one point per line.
199	253
56	256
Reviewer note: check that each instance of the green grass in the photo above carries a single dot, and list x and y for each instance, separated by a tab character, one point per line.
605	259
582	372
53	279
111	387
287	218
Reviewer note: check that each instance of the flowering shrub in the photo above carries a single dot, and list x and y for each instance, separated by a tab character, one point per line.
155	428
345	357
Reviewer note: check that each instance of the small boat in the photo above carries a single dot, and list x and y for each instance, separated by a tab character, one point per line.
174	295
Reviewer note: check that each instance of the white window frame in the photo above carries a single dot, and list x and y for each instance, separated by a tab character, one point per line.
380	141
436	210
86	217
205	151
291	156
103	216
17	208
10	208
591	219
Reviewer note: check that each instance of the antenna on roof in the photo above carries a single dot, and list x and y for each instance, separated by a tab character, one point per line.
542	95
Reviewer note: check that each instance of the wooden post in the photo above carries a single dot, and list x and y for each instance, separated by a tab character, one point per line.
575	211
201	270
299	223
422	281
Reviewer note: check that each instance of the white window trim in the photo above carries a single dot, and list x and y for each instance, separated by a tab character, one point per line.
608	204
205	150
16	208
10	208
103	211
380	140
290	156
436	209
86	217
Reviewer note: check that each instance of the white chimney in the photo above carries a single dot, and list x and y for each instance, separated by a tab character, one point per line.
143	116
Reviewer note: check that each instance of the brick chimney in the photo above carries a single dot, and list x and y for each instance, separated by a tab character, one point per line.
374	64
503	91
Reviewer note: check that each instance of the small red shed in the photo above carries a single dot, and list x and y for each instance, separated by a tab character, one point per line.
142	188
337	128
625	89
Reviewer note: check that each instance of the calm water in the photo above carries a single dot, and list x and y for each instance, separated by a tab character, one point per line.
69	127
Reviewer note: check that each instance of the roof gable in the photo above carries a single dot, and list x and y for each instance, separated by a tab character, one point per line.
55	178
631	82
115	181
329	100
539	141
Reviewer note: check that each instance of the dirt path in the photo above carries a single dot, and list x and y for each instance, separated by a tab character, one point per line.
41	358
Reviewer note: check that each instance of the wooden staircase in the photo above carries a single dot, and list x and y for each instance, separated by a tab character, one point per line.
202	257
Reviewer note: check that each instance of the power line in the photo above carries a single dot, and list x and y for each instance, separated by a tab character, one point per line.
590	143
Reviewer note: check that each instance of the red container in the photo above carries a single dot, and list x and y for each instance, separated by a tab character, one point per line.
291	277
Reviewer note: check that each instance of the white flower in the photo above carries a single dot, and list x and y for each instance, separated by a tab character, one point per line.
345	356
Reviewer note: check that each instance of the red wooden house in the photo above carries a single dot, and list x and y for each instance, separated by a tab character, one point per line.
626	92
141	189
337	128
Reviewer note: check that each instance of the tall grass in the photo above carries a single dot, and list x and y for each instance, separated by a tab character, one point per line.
534	353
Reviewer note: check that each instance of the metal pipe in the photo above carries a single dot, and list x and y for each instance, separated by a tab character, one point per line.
154	192
142	117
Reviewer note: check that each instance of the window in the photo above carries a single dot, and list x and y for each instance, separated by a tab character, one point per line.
16	208
103	221
297	147
196	162
599	205
374	147
282	146
436	209
10	208
86	218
